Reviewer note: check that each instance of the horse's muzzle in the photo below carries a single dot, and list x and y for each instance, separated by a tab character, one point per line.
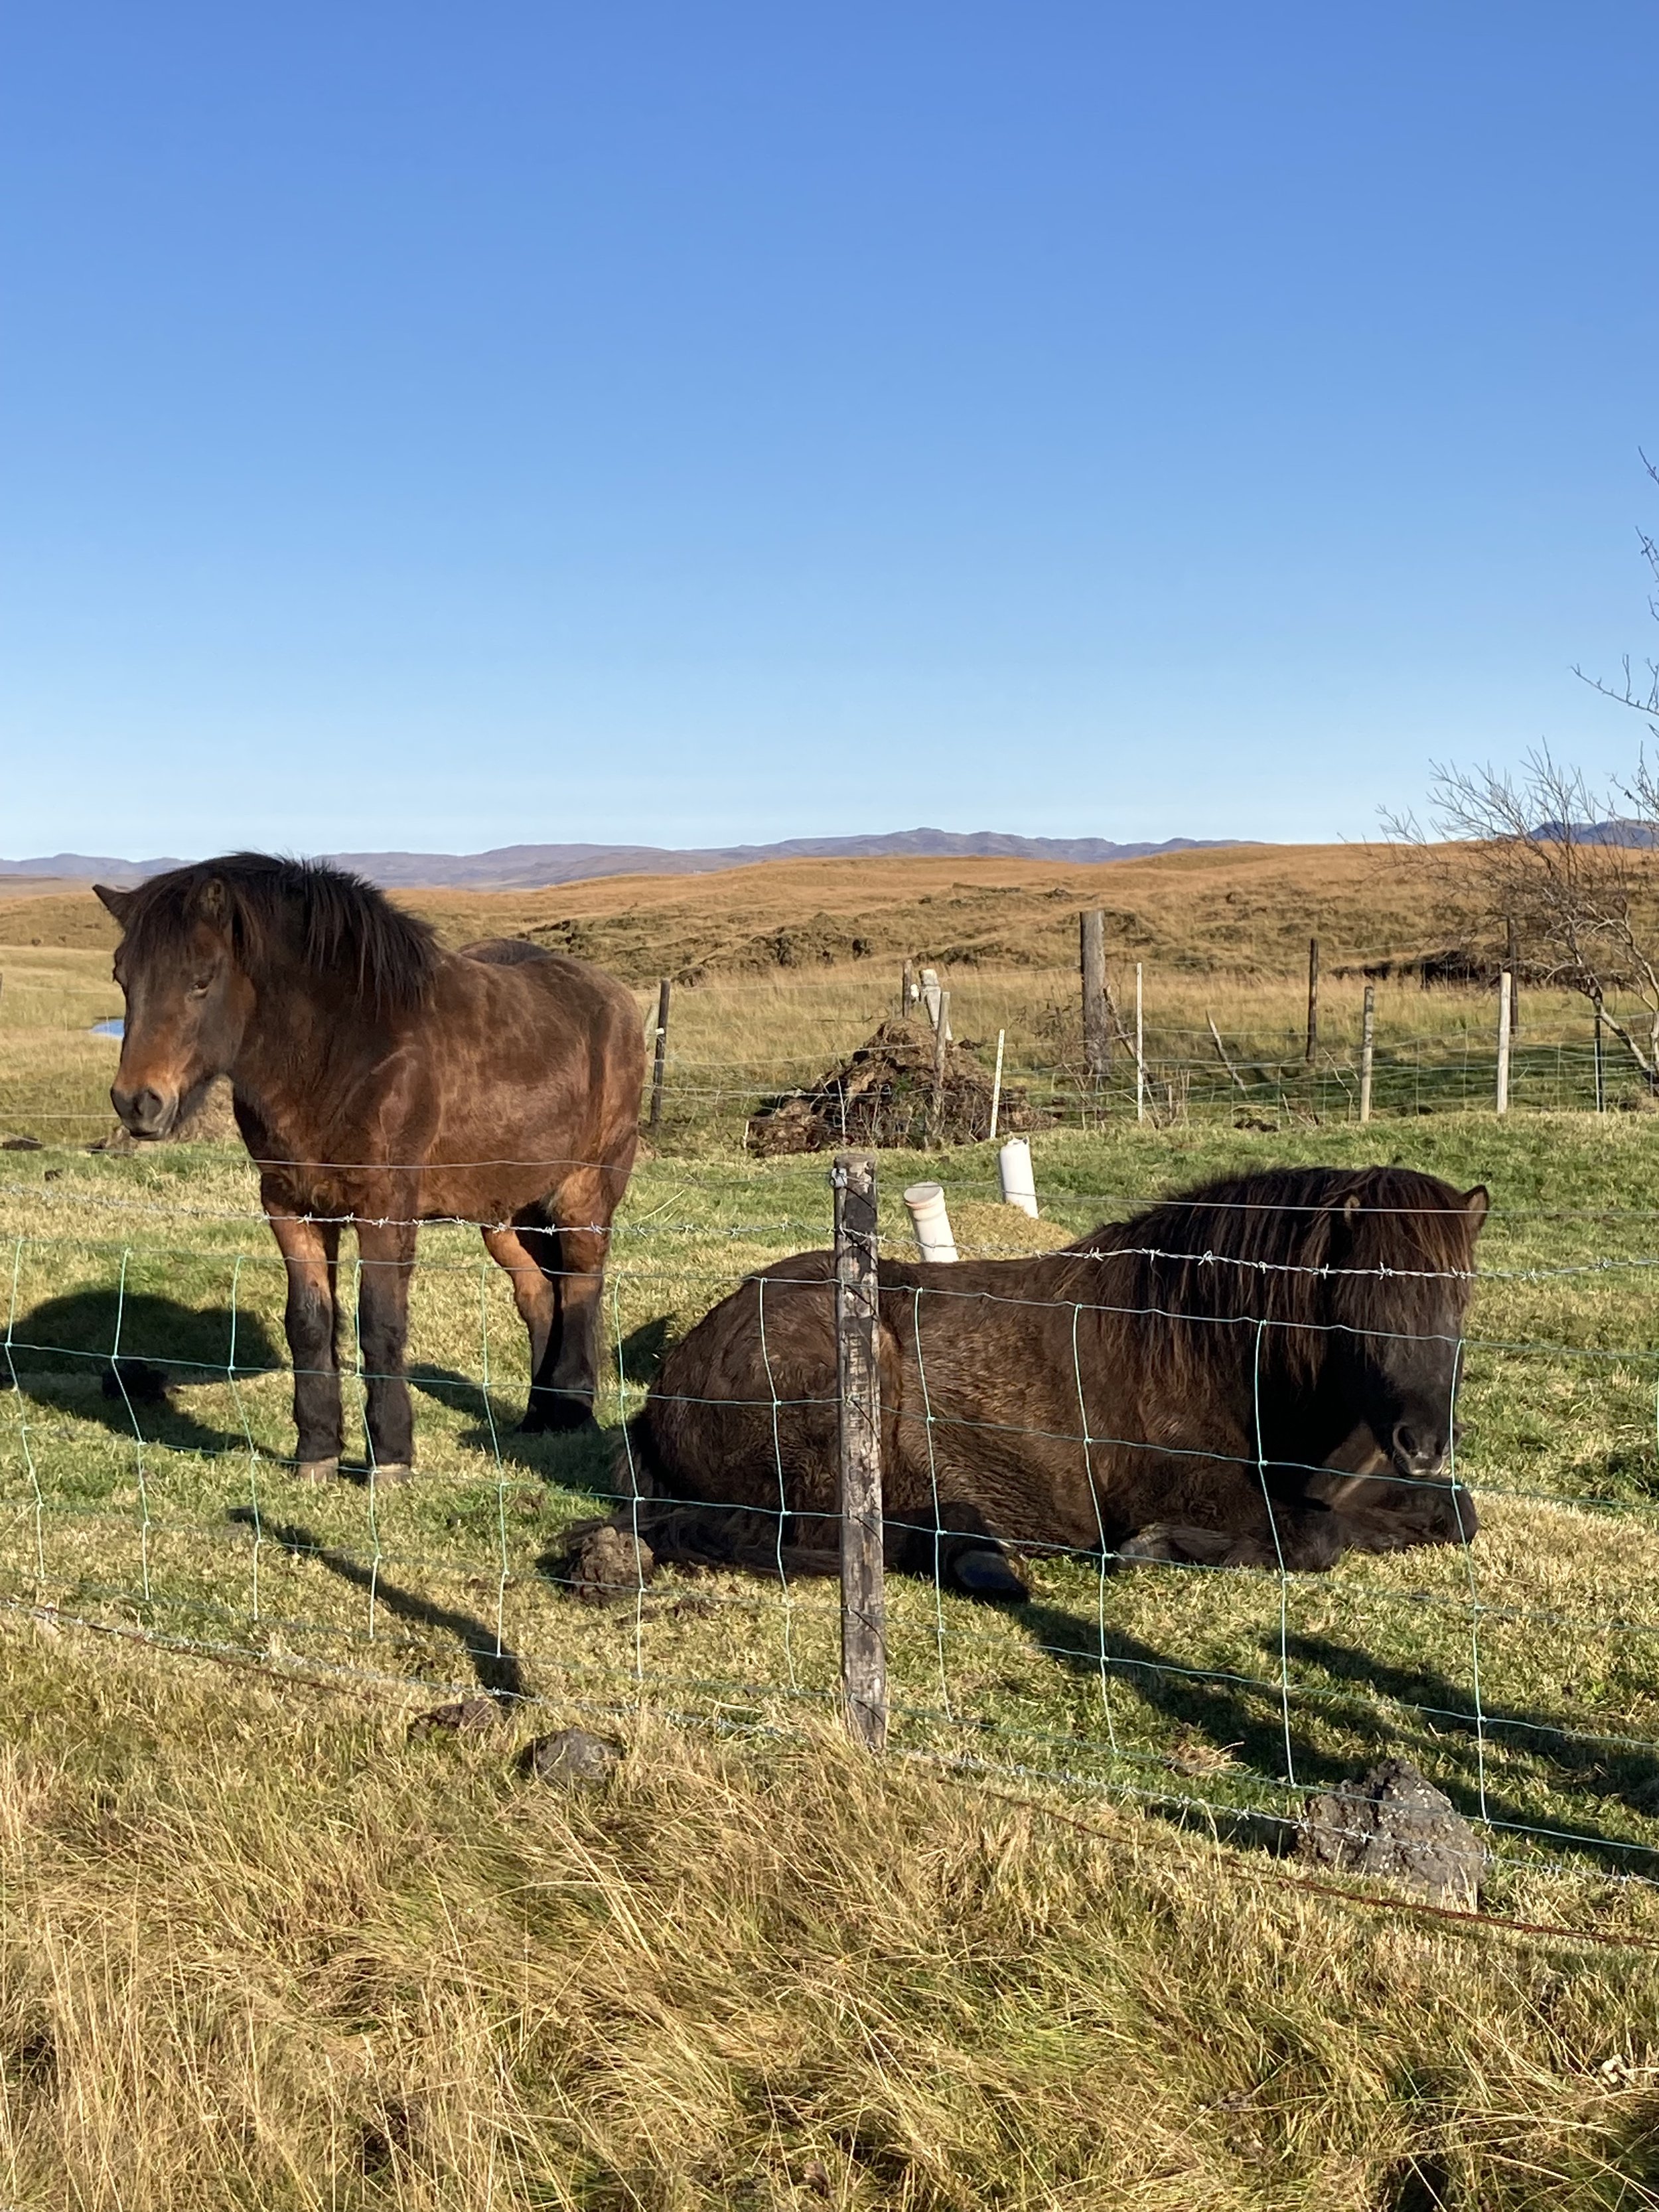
147	1114
1418	1454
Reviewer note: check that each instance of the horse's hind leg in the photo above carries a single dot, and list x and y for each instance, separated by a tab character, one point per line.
566	1380
530	1255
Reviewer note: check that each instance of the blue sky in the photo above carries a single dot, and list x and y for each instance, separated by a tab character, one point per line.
446	427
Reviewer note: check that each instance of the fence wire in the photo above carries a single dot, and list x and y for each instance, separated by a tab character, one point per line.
146	1483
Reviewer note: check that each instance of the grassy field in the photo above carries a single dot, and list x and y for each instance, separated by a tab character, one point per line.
260	1950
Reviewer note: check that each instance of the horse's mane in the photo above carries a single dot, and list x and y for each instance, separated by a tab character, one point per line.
1382	1249
333	922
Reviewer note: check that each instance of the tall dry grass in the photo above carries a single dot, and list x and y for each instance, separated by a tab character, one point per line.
260	1950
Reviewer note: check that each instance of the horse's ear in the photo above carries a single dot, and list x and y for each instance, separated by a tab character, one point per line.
212	903
117	902
1477	1204
1351	1209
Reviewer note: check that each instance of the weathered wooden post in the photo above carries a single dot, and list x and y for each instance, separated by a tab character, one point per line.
1313	1001
907	990
1512	962
941	1032
1367	1037
1096	1028
996	1086
1504	1042
659	1060
1140	1053
863	1584
1601	1070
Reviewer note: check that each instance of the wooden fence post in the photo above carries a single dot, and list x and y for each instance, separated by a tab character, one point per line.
1600	1075
941	1031
996	1086
858	1374
1504	1042
1367	1037
907	990
1140	1053
1096	1029
1512	962
1313	1001
659	1060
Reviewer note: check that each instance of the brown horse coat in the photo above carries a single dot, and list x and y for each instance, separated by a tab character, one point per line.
382	1081
1262	1369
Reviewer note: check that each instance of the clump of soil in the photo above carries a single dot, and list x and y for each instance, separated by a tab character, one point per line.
883	1095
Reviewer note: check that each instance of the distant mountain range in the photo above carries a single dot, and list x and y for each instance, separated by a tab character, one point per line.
530	867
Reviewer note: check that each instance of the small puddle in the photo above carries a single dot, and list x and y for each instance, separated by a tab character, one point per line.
115	1027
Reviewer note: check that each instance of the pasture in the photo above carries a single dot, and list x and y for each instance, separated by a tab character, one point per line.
261	1950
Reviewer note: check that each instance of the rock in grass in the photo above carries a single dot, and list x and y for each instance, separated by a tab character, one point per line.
1395	1823
466	1716
573	1758
20	1145
608	1566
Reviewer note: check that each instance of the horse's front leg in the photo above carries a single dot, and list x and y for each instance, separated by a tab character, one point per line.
309	1250
386	1253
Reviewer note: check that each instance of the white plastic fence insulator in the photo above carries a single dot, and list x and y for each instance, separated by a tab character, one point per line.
1019	1183
930	1221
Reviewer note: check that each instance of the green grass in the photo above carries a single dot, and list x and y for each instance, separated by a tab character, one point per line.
185	1518
756	1954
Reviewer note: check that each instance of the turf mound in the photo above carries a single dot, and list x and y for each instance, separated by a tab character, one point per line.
885	1095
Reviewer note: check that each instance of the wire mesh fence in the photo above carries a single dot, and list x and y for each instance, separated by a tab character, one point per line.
1193	1072
147	1482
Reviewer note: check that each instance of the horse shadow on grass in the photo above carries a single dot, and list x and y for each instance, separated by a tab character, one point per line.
499	1670
1243	1720
138	1348
583	1460
1567	1757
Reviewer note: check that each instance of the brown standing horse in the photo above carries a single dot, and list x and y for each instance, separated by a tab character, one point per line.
382	1081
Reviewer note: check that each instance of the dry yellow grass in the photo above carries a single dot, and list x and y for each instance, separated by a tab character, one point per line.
259	1950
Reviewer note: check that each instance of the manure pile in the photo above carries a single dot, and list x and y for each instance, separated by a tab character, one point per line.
883	1095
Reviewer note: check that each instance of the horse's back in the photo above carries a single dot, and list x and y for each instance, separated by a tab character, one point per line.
503	952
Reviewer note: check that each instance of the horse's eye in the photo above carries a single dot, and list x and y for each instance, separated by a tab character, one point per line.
200	988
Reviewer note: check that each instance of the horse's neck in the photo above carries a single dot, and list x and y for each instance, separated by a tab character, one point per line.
304	1062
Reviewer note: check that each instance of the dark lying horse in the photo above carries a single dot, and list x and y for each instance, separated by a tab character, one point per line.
380	1081
1262	1370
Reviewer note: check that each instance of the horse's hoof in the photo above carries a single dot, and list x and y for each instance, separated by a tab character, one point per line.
318	1470
983	1571
391	1470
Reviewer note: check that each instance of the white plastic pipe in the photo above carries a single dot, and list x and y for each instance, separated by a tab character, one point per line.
996	1086
930	1221
1019	1183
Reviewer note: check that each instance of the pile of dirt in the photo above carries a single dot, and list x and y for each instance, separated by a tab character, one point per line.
883	1095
